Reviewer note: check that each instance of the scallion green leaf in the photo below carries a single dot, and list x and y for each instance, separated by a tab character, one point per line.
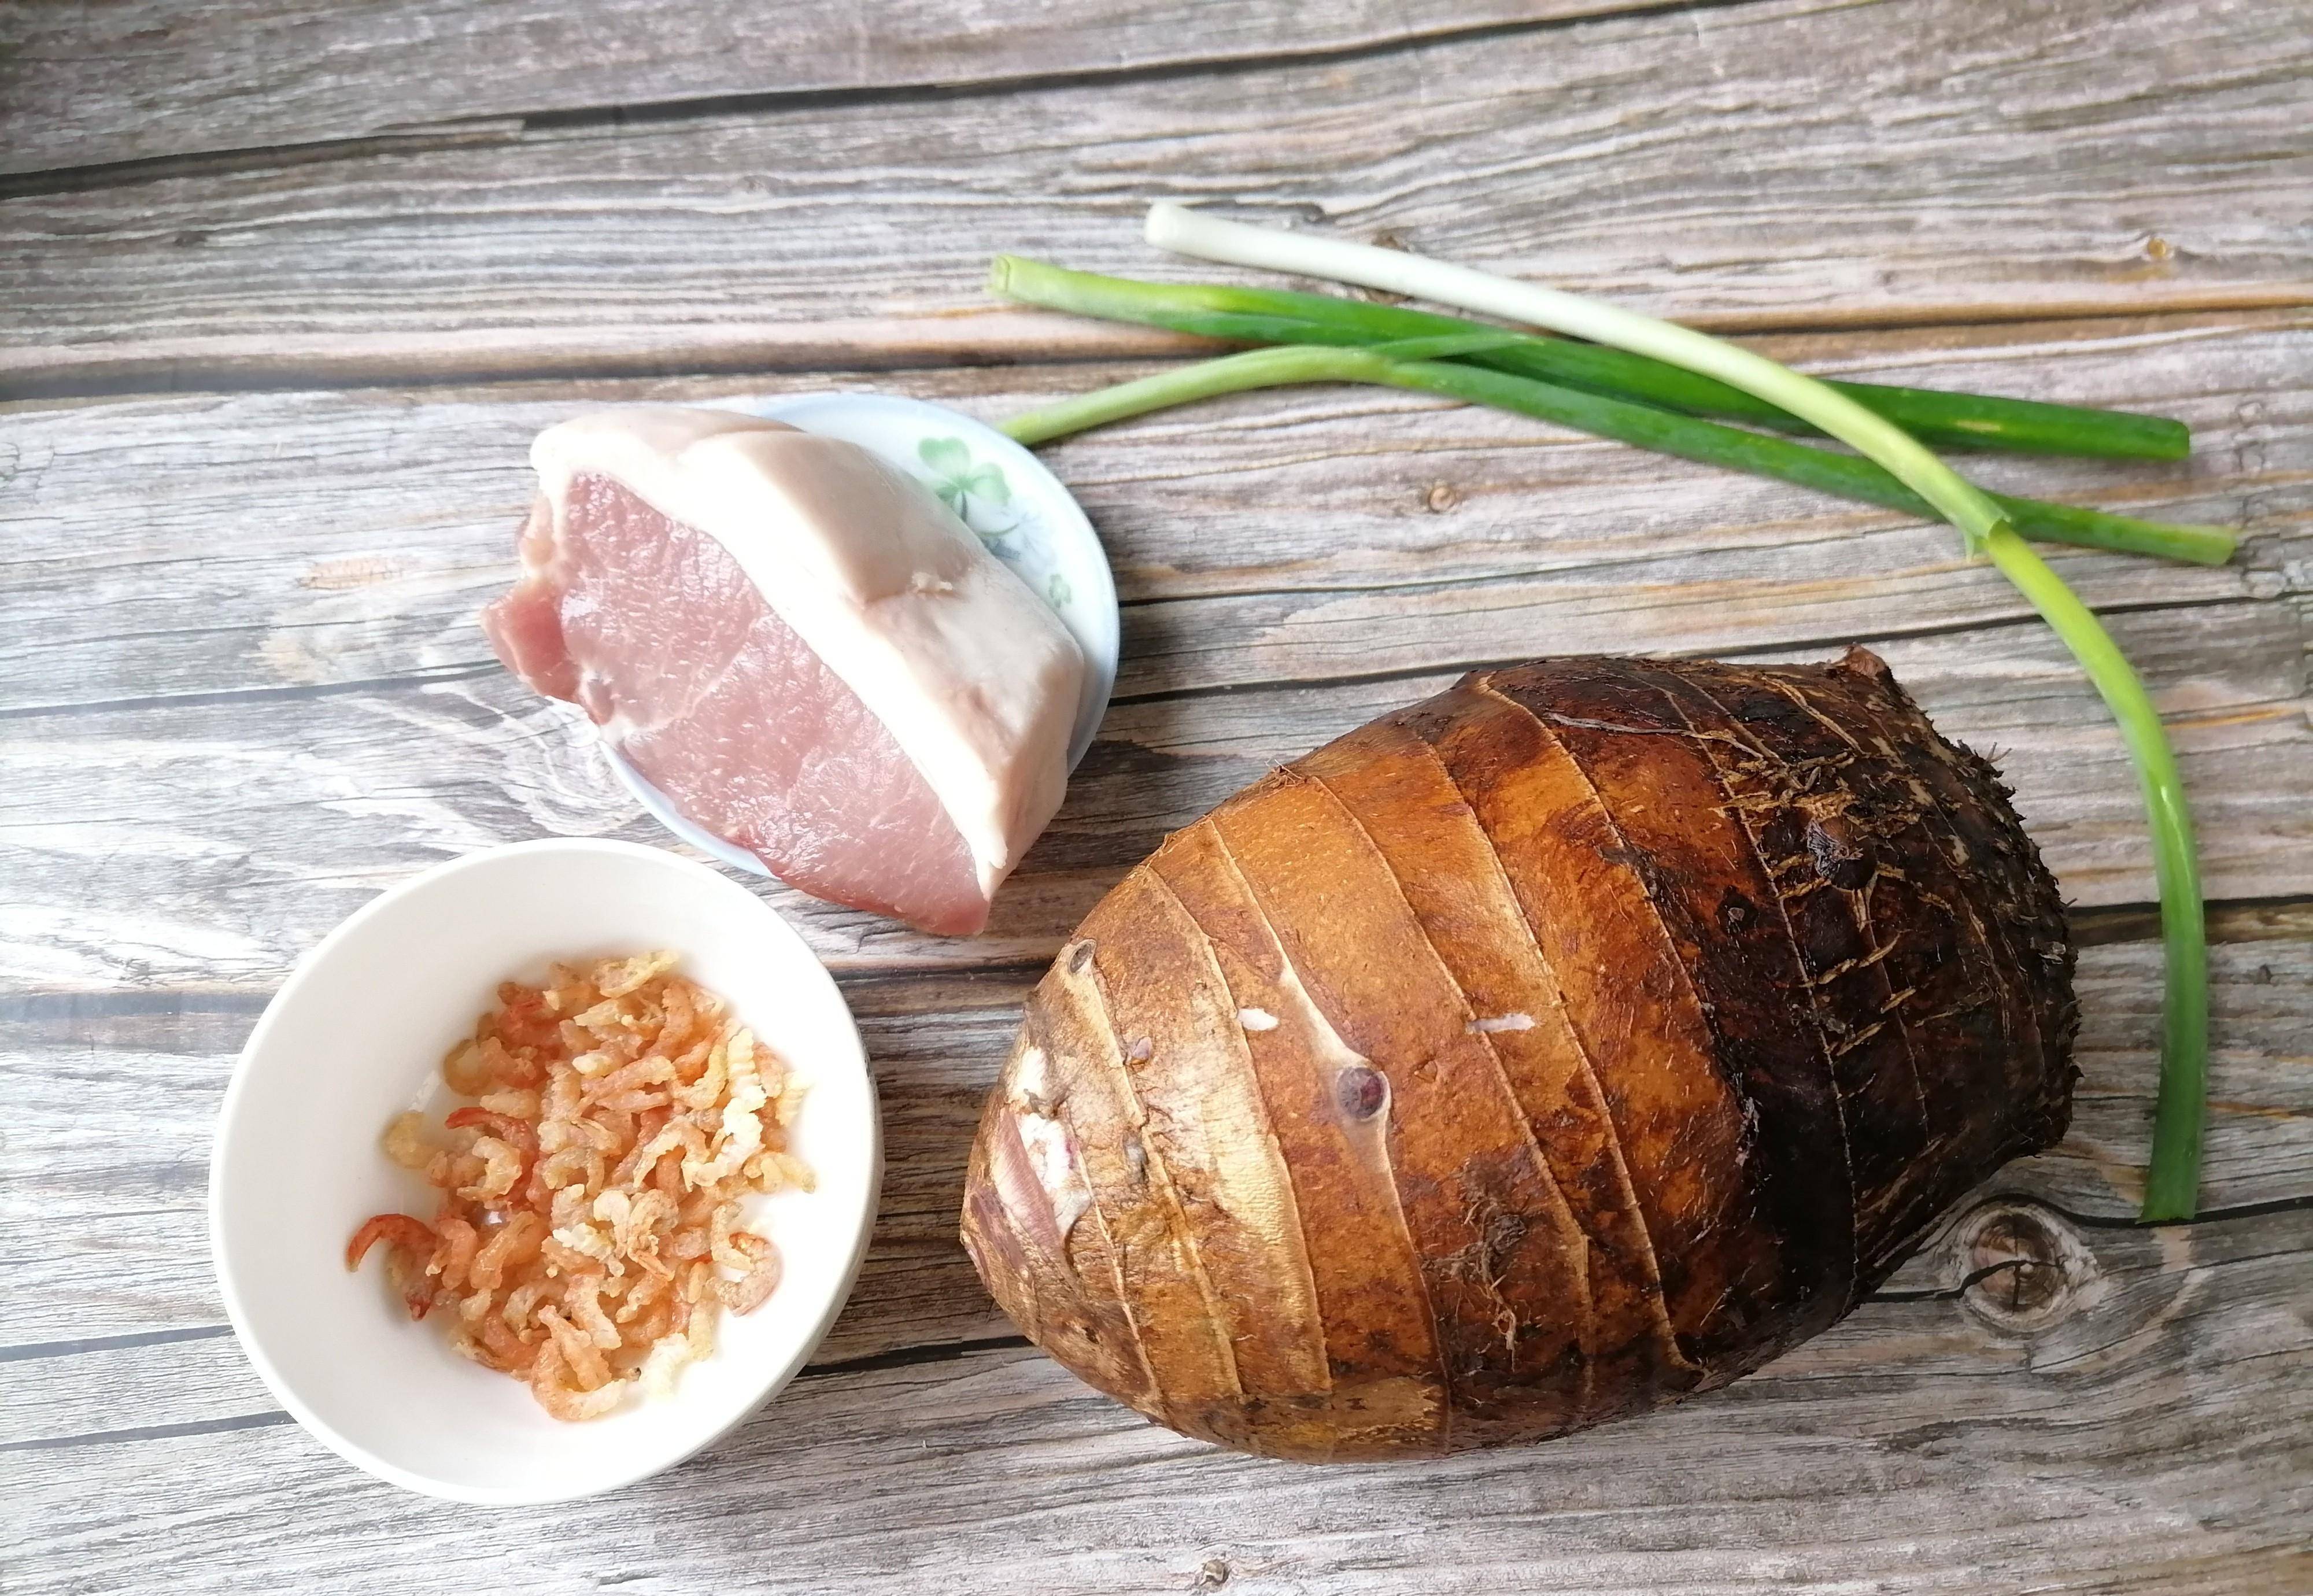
1420	364
1280	316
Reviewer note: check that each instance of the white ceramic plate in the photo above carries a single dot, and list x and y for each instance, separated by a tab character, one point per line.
356	1036
1002	492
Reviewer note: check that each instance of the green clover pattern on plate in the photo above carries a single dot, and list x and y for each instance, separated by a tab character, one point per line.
977	492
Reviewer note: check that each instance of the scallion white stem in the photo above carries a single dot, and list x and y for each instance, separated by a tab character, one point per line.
1186	231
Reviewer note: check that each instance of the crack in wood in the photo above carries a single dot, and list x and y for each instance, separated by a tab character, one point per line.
506	127
97	1344
290	693
250	1421
476	669
1763	648
949	1352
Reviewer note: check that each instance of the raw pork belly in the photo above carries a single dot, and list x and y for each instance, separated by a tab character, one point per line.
802	647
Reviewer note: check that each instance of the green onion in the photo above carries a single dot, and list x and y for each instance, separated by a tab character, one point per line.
1277	316
2173	1182
2172	1185
1420	364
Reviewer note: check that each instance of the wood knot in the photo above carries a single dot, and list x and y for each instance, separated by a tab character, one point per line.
1211	1575
1441	498
2025	1268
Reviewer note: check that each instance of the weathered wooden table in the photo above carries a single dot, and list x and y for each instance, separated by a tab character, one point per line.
284	290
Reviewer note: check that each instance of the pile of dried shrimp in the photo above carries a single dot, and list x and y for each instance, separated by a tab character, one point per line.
588	1232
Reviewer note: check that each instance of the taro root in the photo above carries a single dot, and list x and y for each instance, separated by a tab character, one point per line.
1578	1039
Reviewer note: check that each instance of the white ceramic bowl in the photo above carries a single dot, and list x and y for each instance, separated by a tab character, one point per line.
356	1036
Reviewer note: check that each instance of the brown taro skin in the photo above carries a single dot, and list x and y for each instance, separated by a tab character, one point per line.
1578	1039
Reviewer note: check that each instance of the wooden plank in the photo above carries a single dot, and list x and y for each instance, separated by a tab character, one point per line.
230	835
283	721
1824	164
105	1203
2139	1422
324	538
155	78
242	691
103	1185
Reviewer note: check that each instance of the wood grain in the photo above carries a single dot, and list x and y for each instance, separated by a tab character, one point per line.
333	718
115	1101
120	1100
1286	535
229	836
155	78
2034	1439
240	691
1777	163
128	1105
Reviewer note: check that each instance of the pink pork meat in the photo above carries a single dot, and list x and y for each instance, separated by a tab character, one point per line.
802	647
